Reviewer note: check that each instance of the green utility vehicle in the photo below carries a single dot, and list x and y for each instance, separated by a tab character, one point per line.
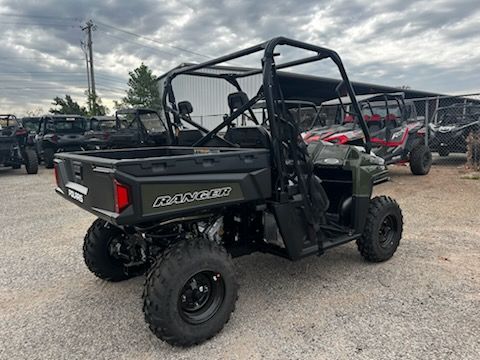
180	213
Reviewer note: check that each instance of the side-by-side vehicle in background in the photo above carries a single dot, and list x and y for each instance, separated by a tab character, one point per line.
451	126
60	133
129	128
397	134
15	149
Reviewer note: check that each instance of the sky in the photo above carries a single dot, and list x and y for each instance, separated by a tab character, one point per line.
428	45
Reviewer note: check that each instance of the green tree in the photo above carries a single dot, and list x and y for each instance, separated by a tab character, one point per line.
143	89
67	106
98	108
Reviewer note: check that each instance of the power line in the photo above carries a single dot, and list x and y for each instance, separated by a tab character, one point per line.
112	80
39	58
36	24
42	72
152	40
39	16
139	44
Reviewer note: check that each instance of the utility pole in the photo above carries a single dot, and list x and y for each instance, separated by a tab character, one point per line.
89	27
89	93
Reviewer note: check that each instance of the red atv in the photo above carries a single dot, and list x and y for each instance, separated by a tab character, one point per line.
397	135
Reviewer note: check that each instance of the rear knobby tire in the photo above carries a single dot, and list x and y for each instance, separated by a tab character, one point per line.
190	292
31	161
420	160
383	230
97	256
48	155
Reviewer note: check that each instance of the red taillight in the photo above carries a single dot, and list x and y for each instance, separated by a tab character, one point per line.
21	132
122	196
57	176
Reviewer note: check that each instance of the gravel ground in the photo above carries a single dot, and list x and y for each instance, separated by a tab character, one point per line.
422	304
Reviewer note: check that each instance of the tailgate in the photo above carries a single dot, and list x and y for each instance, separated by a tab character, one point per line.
131	191
87	185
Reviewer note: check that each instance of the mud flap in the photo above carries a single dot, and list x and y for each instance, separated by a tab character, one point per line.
294	229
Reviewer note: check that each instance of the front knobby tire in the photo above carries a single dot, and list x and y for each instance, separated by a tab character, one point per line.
48	156
31	161
190	292
98	256
383	230
420	160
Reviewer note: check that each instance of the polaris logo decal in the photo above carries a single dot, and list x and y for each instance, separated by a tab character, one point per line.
75	195
189	197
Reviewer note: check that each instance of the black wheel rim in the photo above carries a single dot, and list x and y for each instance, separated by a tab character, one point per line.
388	231
201	297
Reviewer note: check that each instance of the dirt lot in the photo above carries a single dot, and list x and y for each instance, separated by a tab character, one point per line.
422	304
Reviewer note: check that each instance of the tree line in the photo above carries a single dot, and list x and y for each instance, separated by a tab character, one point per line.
142	92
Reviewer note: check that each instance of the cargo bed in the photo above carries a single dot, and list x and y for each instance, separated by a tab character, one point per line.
131	186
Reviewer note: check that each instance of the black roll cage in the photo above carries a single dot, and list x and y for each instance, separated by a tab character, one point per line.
270	90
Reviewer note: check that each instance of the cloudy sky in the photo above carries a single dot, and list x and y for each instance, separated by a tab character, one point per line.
429	45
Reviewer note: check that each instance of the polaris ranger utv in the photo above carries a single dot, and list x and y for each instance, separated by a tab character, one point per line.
181	213
58	133
15	148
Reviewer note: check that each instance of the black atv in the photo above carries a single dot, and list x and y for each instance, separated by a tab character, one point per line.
100	128
180	213
14	147
397	135
32	125
59	133
138	127
451	126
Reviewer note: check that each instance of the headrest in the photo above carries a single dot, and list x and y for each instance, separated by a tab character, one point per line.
237	100
185	107
348	119
390	117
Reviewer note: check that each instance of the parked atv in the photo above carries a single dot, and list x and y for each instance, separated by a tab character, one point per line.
32	125
59	133
100	128
451	127
14	147
138	127
396	134
180	213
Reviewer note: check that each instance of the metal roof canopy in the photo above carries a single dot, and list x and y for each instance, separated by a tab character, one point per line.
311	88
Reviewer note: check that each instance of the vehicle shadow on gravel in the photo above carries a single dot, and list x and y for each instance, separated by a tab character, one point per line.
453	160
